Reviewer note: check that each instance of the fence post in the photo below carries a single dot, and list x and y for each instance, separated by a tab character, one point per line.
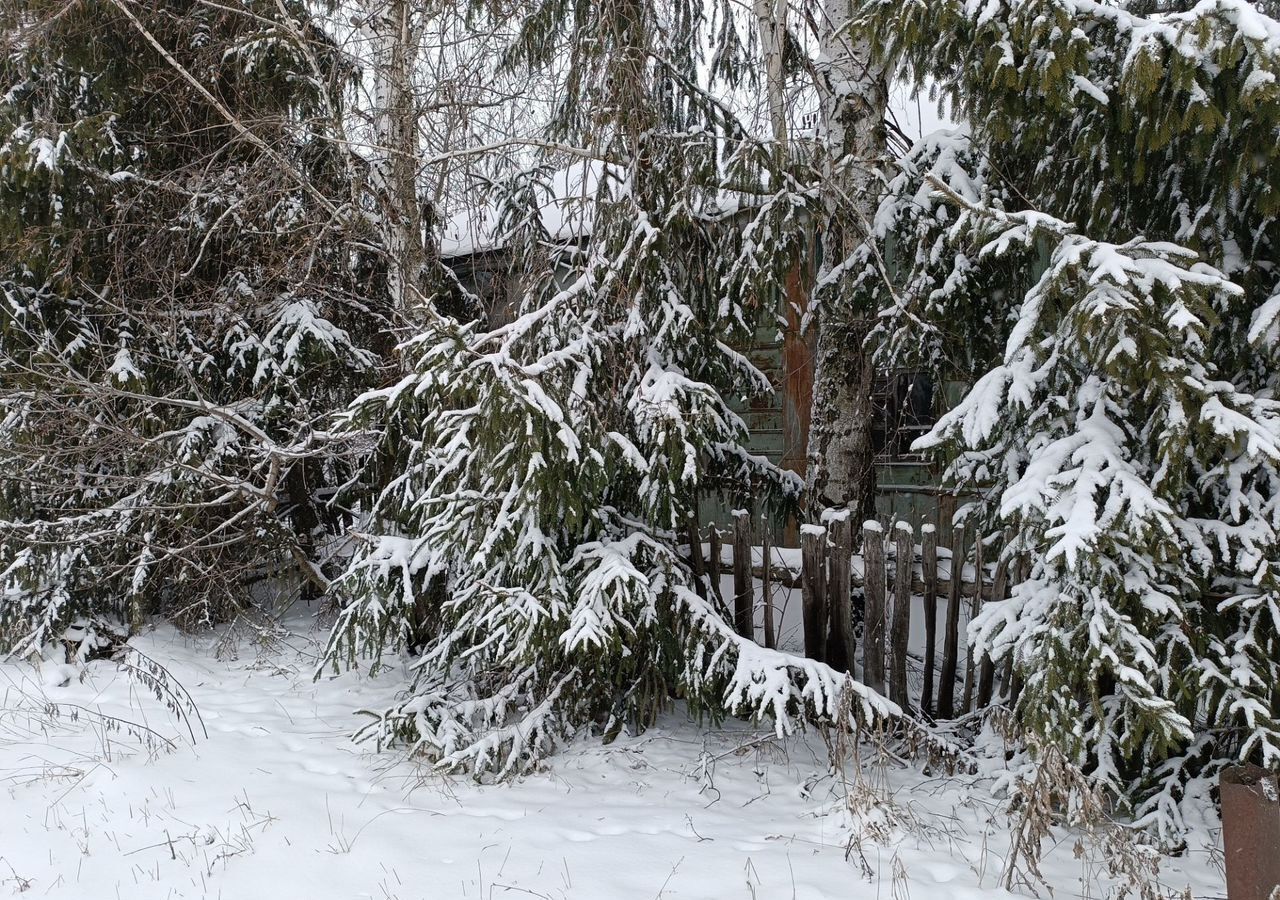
695	557
1006	678
840	643
743	601
813	586
951	639
987	671
899	632
970	669
874	585
1012	677
713	562
929	569
946	513
770	639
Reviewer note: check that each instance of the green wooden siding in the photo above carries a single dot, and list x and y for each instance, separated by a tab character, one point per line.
902	484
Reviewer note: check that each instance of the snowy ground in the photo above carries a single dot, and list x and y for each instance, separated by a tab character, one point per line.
276	803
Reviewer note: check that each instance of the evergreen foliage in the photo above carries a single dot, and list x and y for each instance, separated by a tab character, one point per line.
1097	251
182	308
544	473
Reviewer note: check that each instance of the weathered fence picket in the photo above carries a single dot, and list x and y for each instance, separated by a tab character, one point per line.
873	579
702	579
970	669
900	616
743	595
929	571
813	585
713	563
840	642
770	639
1014	677
951	639
827	581
988	668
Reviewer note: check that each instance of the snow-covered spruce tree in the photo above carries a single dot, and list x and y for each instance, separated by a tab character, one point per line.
544	473
1111	223
182	309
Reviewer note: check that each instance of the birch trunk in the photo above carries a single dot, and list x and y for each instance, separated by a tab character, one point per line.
396	133
772	16
853	96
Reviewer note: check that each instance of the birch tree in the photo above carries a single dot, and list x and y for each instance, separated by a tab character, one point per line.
548	469
393	32
853	97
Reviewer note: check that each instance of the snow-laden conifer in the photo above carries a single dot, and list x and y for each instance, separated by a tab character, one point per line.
544	472
1095	254
180	309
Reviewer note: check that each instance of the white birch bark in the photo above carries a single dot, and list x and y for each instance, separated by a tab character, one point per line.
853	97
772	16
395	42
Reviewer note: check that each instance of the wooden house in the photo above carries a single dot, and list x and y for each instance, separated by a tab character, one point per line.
906	403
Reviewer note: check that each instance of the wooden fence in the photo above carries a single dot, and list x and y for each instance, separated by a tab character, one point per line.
895	570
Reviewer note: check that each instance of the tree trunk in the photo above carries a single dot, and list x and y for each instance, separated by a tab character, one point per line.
772	16
841	454
396	134
853	96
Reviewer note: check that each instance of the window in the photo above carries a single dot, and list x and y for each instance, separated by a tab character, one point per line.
905	408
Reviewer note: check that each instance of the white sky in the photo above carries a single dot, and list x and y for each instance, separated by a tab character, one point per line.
916	114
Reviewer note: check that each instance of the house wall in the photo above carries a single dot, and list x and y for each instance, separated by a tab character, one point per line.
779	424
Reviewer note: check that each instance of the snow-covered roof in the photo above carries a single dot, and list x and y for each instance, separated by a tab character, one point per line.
568	209
566	213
